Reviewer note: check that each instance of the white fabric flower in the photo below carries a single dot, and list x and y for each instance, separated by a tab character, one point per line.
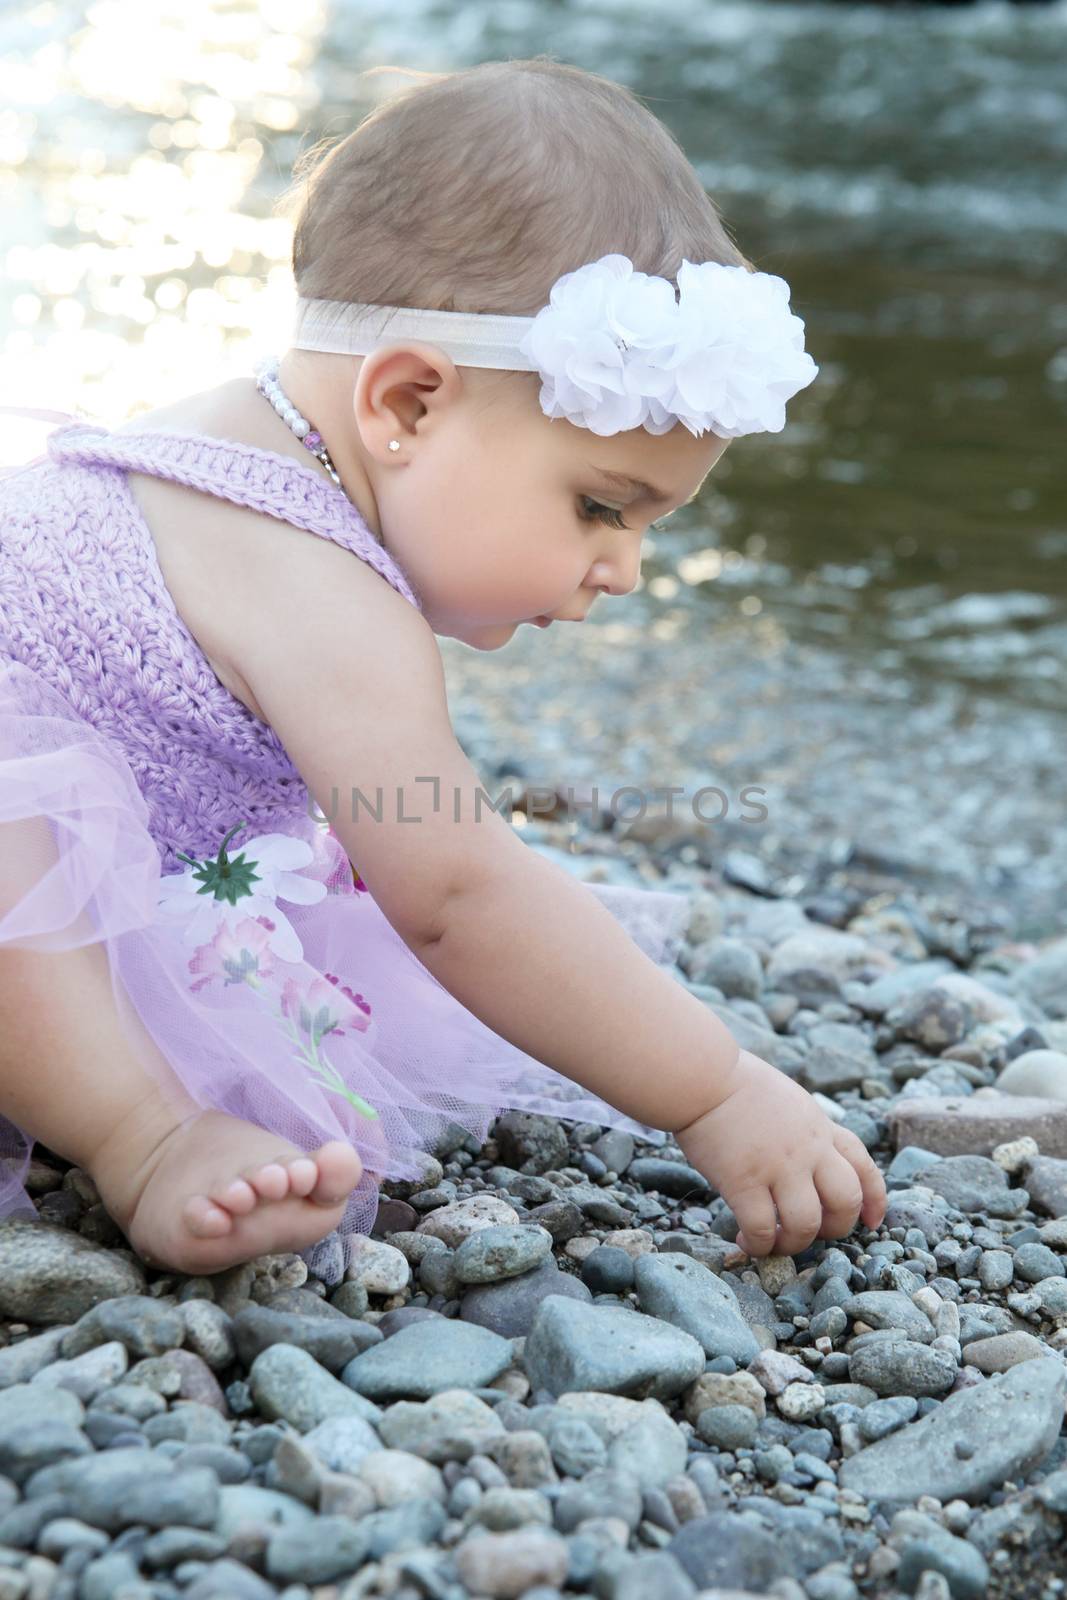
617	350
276	859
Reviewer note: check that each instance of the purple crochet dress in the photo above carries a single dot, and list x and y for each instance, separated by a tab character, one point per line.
273	986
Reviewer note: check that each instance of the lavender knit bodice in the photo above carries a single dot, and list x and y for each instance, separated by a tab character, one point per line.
83	603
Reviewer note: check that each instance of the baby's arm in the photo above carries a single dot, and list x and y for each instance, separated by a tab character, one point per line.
357	695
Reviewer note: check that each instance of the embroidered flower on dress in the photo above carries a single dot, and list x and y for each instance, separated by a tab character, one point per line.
223	901
236	955
311	1011
323	1006
222	891
617	350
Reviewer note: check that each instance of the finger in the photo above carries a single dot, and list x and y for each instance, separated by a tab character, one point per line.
758	1225
799	1212
875	1198
840	1193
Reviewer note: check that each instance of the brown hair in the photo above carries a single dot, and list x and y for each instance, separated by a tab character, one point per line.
474	190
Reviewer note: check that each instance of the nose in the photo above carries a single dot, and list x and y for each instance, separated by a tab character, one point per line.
618	576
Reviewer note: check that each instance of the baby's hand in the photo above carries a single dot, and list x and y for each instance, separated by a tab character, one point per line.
768	1145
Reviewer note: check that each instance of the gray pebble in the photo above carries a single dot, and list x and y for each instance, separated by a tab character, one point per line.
601	1493
49	1274
883	1417
500	1252
728	1427
681	1291
288	1383
24	1455
67	1533
509	1308
332	1340
229	1580
342	1442
139	1322
1034	1262
960	1563
575	1346
247	1506
576	1448
673	1178
107	1577
86	1375
608	1270
996	1269
20	1362
208	1332
975	1184
170	1546
427	1357
890	1308
323	1550
901	1366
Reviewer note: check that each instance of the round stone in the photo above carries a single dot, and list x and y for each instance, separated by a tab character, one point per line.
608	1270
728	1427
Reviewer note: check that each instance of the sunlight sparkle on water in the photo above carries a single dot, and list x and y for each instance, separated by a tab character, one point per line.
170	128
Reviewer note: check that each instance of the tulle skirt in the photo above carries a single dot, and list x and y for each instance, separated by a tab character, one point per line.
272	988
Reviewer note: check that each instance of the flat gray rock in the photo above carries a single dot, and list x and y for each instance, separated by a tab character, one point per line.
975	1184
21	1362
426	1357
890	1308
508	1308
575	1346
494	1254
732	1552
902	1367
1046	1182
137	1321
246	1506
50	1275
333	1341
289	1384
342	1443
685	1293
975	1440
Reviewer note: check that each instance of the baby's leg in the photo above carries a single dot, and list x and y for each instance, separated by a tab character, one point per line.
192	1189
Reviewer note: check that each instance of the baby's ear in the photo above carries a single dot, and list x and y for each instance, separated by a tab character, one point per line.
397	385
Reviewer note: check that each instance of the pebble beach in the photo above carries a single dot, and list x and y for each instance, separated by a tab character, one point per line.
551	1371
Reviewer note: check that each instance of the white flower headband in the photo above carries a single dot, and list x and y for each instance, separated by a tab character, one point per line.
614	347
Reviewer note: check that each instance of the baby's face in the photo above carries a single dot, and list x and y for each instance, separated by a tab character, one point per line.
502	515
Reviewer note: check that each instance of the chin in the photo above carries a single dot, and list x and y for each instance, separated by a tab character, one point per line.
488	636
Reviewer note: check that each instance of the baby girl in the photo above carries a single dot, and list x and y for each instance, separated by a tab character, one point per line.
522	335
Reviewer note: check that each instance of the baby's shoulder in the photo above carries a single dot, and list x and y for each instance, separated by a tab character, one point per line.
236	573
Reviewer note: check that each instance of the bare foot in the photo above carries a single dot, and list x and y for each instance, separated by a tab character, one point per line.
200	1191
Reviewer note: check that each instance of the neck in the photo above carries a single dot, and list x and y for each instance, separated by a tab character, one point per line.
323	394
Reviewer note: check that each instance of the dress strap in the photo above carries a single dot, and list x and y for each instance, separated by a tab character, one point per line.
248	475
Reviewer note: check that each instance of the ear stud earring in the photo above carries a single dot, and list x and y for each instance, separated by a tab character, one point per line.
394	444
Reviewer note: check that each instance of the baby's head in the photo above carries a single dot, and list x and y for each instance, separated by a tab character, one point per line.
474	192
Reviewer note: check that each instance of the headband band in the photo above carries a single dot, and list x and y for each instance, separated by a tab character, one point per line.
472	339
616	349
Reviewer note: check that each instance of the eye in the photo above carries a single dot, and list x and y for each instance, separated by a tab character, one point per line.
601	513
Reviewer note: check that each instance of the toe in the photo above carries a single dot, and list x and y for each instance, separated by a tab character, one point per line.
270	1182
303	1176
205	1219
238	1197
339	1171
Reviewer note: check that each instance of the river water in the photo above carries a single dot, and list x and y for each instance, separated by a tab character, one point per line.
865	617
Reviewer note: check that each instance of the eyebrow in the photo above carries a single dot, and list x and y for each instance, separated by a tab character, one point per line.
622	480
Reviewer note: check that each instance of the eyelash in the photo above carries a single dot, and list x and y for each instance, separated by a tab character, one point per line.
603	513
